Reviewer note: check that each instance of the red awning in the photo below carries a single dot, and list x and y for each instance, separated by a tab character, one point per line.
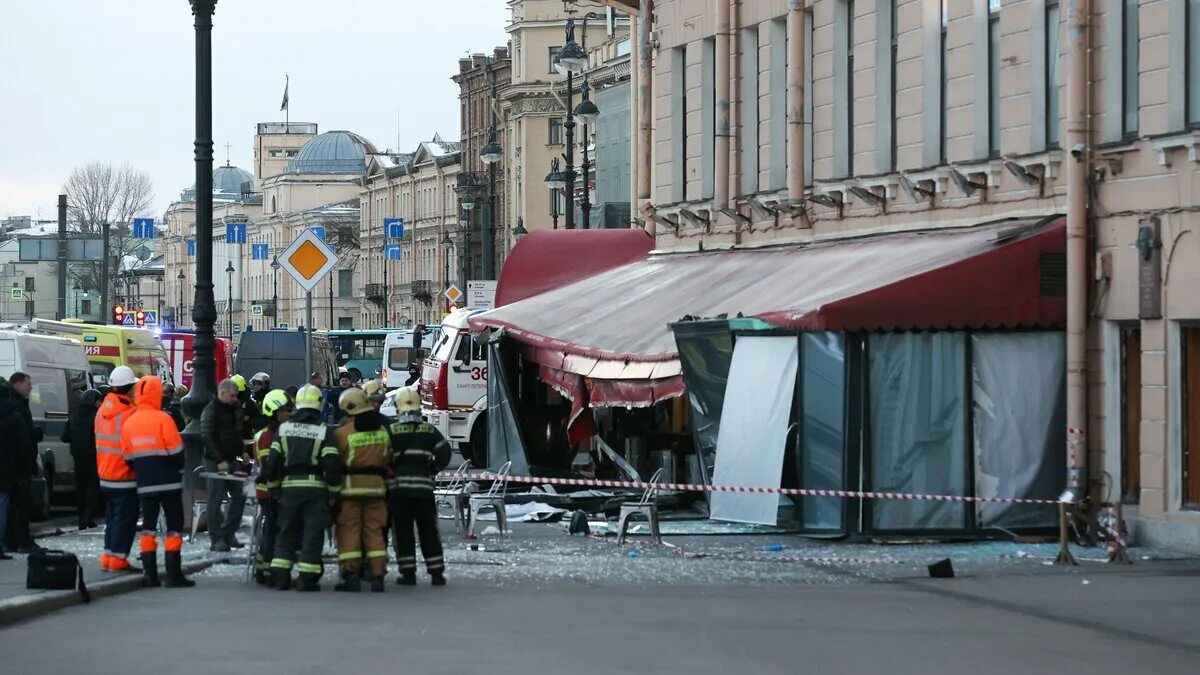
546	259
615	325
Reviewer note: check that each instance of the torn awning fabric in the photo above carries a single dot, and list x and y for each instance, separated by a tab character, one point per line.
612	329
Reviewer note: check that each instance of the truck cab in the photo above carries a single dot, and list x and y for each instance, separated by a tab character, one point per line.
454	387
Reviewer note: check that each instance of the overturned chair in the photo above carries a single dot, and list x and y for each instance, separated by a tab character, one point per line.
647	507
493	499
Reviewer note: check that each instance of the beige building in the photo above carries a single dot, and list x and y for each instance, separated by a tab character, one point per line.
420	189
914	114
534	106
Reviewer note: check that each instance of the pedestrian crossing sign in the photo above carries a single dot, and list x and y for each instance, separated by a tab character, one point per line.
17	294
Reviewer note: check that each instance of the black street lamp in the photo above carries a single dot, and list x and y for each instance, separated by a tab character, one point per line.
447	248
77	289
571	61
229	307
181	308
204	309
275	291
158	298
556	181
588	113
490	154
519	231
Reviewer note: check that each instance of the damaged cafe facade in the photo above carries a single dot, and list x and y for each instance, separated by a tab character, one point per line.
956	261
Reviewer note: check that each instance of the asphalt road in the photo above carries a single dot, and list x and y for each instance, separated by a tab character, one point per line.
550	603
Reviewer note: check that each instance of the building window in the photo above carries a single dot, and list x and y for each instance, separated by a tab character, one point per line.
556	131
29	309
994	78
1192	71
749	110
777	114
887	111
346	323
554	59
1129	69
29	284
346	283
1053	73
843	84
944	79
679	110
85	307
1131	414
708	117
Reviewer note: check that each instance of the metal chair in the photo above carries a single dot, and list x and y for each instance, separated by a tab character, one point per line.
493	499
646	506
453	497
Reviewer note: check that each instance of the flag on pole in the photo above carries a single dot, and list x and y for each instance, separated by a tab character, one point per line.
286	82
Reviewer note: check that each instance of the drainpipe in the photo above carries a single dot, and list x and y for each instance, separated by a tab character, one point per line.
795	107
635	57
645	112
1077	250
721	133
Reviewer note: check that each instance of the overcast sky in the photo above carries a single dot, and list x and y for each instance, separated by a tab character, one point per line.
114	80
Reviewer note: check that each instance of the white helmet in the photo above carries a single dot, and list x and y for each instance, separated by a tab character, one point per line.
122	376
261	378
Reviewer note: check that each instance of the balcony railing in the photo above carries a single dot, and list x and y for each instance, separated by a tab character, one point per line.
422	288
374	293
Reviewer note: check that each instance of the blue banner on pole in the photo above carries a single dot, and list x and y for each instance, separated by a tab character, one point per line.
391	252
191	248
235	233
319	231
259	252
393	228
143	228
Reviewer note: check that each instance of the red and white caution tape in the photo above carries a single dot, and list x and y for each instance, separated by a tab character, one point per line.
687	487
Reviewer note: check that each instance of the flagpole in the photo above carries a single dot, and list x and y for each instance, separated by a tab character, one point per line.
287	115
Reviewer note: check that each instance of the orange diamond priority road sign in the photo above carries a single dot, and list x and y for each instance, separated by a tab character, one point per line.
308	259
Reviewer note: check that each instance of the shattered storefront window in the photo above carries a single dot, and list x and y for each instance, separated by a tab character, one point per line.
705	352
918	390
822	460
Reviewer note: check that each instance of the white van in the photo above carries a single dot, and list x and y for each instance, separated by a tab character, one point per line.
404	349
60	372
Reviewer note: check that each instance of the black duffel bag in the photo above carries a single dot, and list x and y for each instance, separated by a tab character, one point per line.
52	570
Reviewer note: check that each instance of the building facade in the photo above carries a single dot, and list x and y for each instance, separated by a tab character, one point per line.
402	280
483	81
918	114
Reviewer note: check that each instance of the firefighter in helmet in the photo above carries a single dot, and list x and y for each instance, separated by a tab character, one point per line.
418	452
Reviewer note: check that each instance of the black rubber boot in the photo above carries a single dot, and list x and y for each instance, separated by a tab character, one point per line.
437	578
407	578
377	584
351	583
150	571
310	583
281	579
175	578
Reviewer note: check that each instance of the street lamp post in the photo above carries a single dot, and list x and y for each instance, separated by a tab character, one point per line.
447	247
571	60
588	113
275	291
158	298
204	309
556	181
229	307
77	289
181	308
490	154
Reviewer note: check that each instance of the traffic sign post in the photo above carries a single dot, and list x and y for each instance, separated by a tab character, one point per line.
308	259
481	294
150	317
453	294
17	293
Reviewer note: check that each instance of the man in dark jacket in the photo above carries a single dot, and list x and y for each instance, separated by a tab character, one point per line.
20	537
12	430
80	433
221	427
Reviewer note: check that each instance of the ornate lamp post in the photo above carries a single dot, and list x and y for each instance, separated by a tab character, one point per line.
229	306
571	61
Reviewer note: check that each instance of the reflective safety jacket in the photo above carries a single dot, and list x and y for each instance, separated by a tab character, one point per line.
262	448
114	473
419	451
304	455
365	447
151	442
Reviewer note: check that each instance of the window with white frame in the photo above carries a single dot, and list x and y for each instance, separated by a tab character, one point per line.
1053	73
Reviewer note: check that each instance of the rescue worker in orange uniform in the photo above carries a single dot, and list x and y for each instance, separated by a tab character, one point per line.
154	450
365	447
118	483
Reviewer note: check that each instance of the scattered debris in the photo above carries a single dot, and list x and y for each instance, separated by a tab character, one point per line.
942	569
774	548
634	554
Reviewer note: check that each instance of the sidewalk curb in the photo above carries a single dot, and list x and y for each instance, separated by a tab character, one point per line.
25	607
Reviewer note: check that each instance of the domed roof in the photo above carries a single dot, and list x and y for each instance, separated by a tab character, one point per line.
232	180
229	184
333	152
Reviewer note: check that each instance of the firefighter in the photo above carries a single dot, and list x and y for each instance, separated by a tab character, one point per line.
418	452
304	459
118	483
375	393
365	446
278	409
152	446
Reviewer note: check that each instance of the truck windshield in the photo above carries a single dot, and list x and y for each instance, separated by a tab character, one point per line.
441	351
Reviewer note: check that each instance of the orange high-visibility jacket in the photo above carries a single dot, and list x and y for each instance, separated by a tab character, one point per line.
151	442
110	463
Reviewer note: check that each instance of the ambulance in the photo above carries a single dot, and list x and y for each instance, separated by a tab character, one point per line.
180	355
107	347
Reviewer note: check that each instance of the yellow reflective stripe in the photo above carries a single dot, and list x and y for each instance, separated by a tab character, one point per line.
350	555
360	438
377	554
281	563
309	568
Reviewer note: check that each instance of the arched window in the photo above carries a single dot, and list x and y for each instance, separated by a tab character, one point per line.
272	203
